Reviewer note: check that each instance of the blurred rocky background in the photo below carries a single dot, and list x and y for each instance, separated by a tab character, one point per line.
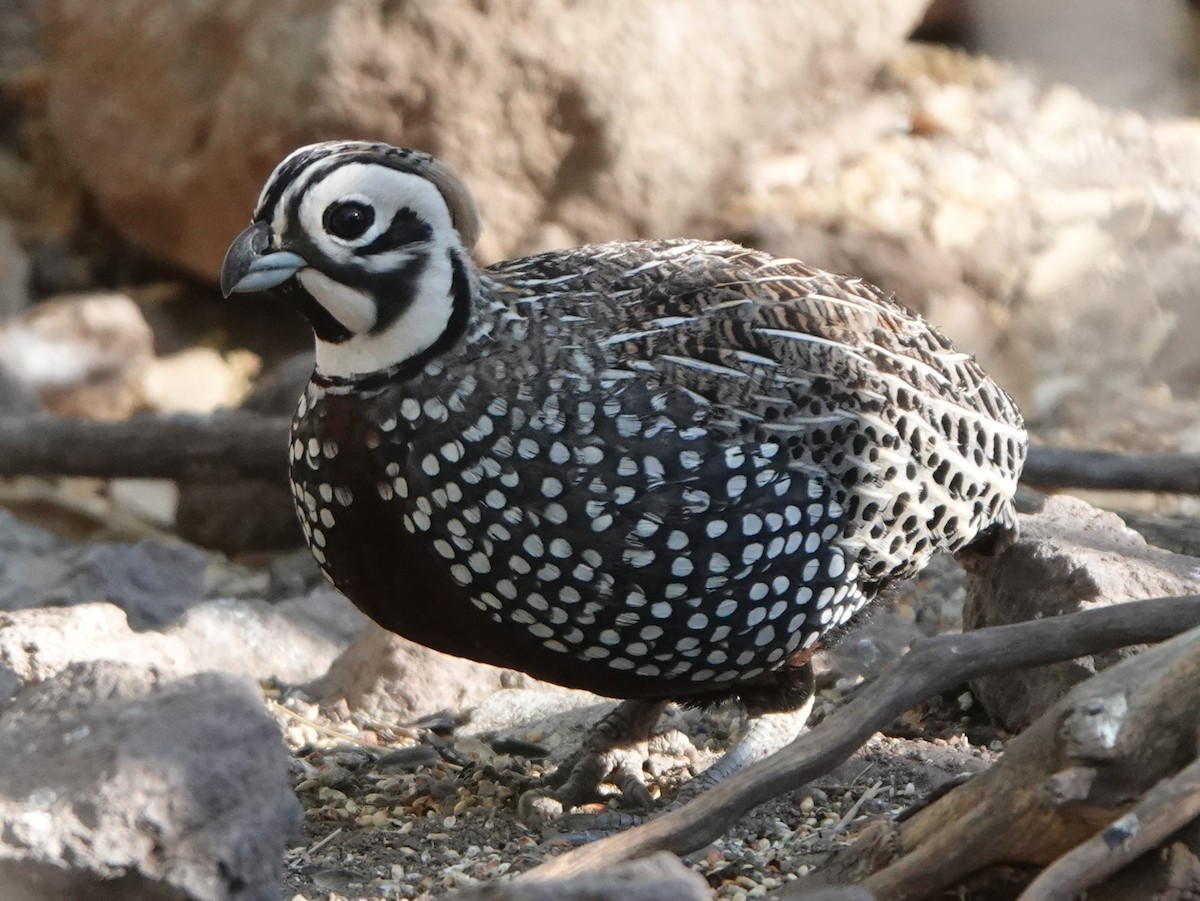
1026	174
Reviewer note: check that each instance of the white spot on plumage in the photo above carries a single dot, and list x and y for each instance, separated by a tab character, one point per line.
589	456
735	487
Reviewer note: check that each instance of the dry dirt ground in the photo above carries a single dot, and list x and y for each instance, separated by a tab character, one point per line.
418	810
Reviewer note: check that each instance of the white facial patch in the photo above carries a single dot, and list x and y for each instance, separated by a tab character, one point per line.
386	191
354	309
423	321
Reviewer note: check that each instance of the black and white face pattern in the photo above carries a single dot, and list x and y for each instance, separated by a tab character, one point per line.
380	249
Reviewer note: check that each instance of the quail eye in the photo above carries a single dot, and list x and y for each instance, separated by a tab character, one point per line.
347	219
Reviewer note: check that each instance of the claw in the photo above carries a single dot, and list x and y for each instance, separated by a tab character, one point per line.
615	750
539	807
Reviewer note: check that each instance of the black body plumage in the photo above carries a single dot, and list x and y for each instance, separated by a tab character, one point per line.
655	469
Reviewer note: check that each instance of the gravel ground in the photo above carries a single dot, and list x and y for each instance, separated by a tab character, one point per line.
417	811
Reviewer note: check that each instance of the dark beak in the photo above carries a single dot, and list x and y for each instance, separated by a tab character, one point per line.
249	267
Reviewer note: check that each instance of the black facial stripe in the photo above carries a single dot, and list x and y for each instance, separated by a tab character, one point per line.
393	290
336	155
283	180
460	316
406	227
324	325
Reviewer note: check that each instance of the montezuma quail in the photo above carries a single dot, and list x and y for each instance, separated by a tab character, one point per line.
656	470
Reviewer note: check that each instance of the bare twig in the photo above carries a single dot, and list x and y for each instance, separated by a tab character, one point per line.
156	447
1081	764
1166	808
1049	467
931	666
249	444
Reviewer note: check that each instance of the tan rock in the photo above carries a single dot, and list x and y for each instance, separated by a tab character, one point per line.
84	354
598	120
199	380
1069	229
394	680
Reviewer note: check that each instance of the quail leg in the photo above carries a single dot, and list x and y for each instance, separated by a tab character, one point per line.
766	732
774	720
615	747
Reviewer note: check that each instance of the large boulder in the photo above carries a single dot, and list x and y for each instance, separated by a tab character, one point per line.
1055	238
570	121
119	783
1070	557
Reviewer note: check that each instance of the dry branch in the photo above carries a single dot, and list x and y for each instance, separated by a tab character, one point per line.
1078	768
234	443
931	666
1049	467
247	444
1165	809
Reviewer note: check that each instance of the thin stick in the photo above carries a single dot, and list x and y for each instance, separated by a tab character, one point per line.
1049	467
151	447
251	445
931	666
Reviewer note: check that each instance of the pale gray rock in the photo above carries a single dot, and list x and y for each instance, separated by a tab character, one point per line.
1054	238
84	354
121	783
570	121
391	679
153	581
294	641
17	397
1070	557
659	877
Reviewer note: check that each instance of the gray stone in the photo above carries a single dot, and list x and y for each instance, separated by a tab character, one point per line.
1070	557
294	641
19	537
659	877
119	783
153	581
